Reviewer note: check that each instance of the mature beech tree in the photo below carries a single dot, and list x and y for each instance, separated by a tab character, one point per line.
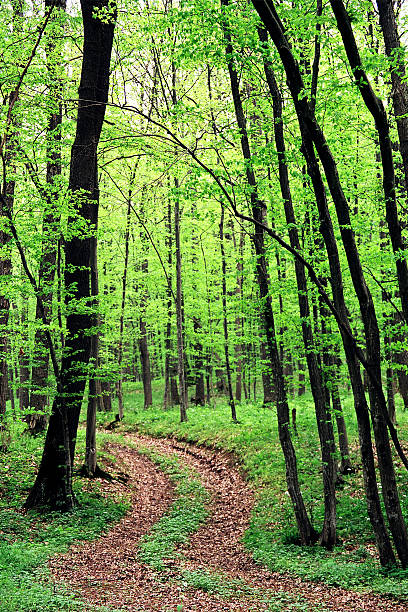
53	485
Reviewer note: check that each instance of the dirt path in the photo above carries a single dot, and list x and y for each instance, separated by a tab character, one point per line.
106	572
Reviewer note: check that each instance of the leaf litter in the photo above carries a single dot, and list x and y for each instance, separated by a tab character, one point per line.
222	573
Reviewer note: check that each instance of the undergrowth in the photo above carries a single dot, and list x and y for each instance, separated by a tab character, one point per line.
185	515
29	539
272	534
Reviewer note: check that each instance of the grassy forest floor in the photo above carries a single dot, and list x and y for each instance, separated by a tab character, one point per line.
196	534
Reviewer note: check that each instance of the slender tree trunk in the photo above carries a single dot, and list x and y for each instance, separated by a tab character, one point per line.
376	107
143	337
345	466
399	93
321	401
145	362
24	360
8	189
123	303
225	319
179	313
267	378
238	320
90	464
306	532
171	394
199	397
312	131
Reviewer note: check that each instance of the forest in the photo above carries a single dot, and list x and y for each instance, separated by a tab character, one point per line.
203	305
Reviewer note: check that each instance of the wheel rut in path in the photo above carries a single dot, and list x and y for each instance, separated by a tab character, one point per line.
107	571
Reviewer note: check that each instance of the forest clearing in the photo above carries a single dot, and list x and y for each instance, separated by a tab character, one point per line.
203	305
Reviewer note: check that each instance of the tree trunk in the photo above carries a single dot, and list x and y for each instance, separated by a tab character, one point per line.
51	228
24	361
306	532
6	210
123	303
145	363
311	131
143	338
171	394
225	319
269	398
377	110
238	320
90	466
399	93
179	313
321	402
53	485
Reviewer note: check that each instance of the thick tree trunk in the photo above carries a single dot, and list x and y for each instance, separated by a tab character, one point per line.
53	485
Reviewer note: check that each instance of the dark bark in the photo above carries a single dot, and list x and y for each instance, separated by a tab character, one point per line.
179	314
199	397
301	379
50	233
321	401
171	394
90	464
225	319
376	107
53	485
238	320
6	210
24	361
143	337
267	378
306	532
123	303
145	362
345	466
399	93
312	133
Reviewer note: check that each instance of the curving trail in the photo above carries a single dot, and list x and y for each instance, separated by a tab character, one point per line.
106	572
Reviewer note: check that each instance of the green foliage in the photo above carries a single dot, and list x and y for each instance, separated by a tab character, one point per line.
212	582
272	534
29	539
186	514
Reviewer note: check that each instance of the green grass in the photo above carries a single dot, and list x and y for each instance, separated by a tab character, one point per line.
272	531
29	539
214	582
184	517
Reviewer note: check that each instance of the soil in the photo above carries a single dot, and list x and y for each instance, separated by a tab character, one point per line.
107	571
